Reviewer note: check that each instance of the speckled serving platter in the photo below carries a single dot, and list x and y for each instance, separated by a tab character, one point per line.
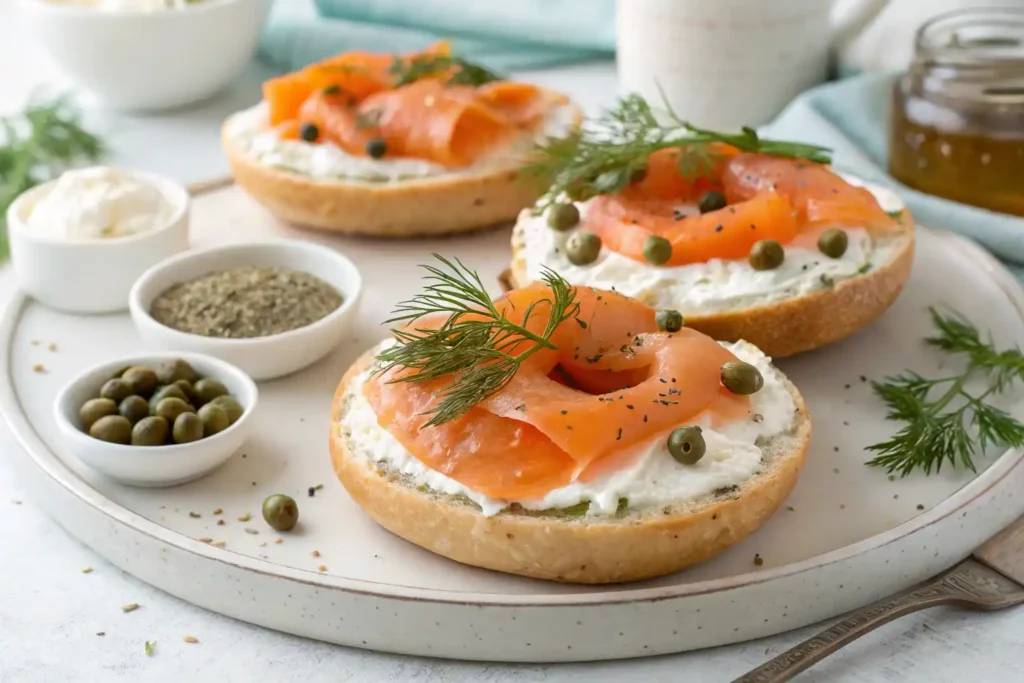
845	537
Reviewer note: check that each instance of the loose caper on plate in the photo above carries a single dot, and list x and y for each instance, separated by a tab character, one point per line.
280	512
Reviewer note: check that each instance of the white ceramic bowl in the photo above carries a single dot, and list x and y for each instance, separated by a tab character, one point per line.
91	276
261	357
149	60
157	465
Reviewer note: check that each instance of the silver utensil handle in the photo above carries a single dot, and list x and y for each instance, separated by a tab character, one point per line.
969	583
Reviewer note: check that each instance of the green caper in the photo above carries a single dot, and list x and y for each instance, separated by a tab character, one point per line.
142	380
657	250
170	371
766	255
280	512
187	428
582	248
741	378
669	320
187	389
112	428
562	217
230	405
116	389
712	200
169	391
686	444
833	242
150	431
376	148
309	132
215	419
332	89
208	389
134	408
94	409
170	408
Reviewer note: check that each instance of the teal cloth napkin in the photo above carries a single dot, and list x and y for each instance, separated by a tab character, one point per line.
852	117
503	35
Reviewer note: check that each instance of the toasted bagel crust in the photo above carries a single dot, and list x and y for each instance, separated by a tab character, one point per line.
804	322
639	544
442	205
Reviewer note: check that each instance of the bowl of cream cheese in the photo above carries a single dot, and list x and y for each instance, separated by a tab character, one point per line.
79	242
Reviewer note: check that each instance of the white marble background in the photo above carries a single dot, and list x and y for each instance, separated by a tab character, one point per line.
50	612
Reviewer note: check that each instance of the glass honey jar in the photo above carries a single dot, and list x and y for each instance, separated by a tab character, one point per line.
957	121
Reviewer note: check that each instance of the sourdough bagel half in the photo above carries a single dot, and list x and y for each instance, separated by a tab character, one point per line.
436	205
637	543
802	322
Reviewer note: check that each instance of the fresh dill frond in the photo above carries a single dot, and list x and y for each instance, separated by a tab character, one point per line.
475	345
38	145
606	155
944	421
461	71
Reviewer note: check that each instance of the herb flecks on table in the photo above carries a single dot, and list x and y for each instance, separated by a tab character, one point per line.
460	71
477	346
605	157
945	422
38	145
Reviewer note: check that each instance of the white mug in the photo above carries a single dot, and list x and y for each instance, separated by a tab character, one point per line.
730	63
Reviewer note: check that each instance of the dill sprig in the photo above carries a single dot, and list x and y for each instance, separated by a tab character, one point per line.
944	421
609	153
38	145
406	71
476	345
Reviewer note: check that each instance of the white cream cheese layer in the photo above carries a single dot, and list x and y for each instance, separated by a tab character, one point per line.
717	285
248	130
654	477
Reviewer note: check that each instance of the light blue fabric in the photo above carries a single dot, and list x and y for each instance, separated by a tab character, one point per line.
503	35
852	117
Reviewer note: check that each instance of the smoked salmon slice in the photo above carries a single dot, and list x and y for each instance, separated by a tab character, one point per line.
538	433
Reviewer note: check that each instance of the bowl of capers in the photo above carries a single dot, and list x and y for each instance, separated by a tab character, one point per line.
156	420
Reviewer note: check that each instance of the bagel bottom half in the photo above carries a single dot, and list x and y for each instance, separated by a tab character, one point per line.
637	543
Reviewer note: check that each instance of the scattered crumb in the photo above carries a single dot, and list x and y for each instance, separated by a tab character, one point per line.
86	570
836	470
892	477
895	496
278	540
194	515
101	633
791	508
845	423
322	568
316	553
863	378
312	491
245	518
39	367
835	448
263	545
130	607
758	560
53	347
254	483
220	522
34	342
842	507
847	386
218	511
205	539
250	530
149	648
244	455
920	506
191	639
15	501
219	544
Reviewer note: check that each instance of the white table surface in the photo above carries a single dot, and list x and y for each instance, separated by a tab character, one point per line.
50	612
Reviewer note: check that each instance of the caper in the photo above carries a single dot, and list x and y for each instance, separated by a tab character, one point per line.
833	242
142	380
376	148
332	89
170	408
582	248
116	389
686	444
150	431
766	255
230	405
562	217
187	389
657	250
171	371
669	320
280	512
169	391
134	408
215	419
187	427
94	409
741	378
208	389
712	200
309	132
112	428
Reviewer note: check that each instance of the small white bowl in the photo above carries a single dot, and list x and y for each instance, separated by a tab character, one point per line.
261	357
157	465
91	276
149	60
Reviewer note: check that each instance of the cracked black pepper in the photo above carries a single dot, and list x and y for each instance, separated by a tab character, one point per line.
242	303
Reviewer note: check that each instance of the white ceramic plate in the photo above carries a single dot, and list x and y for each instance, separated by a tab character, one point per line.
845	537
